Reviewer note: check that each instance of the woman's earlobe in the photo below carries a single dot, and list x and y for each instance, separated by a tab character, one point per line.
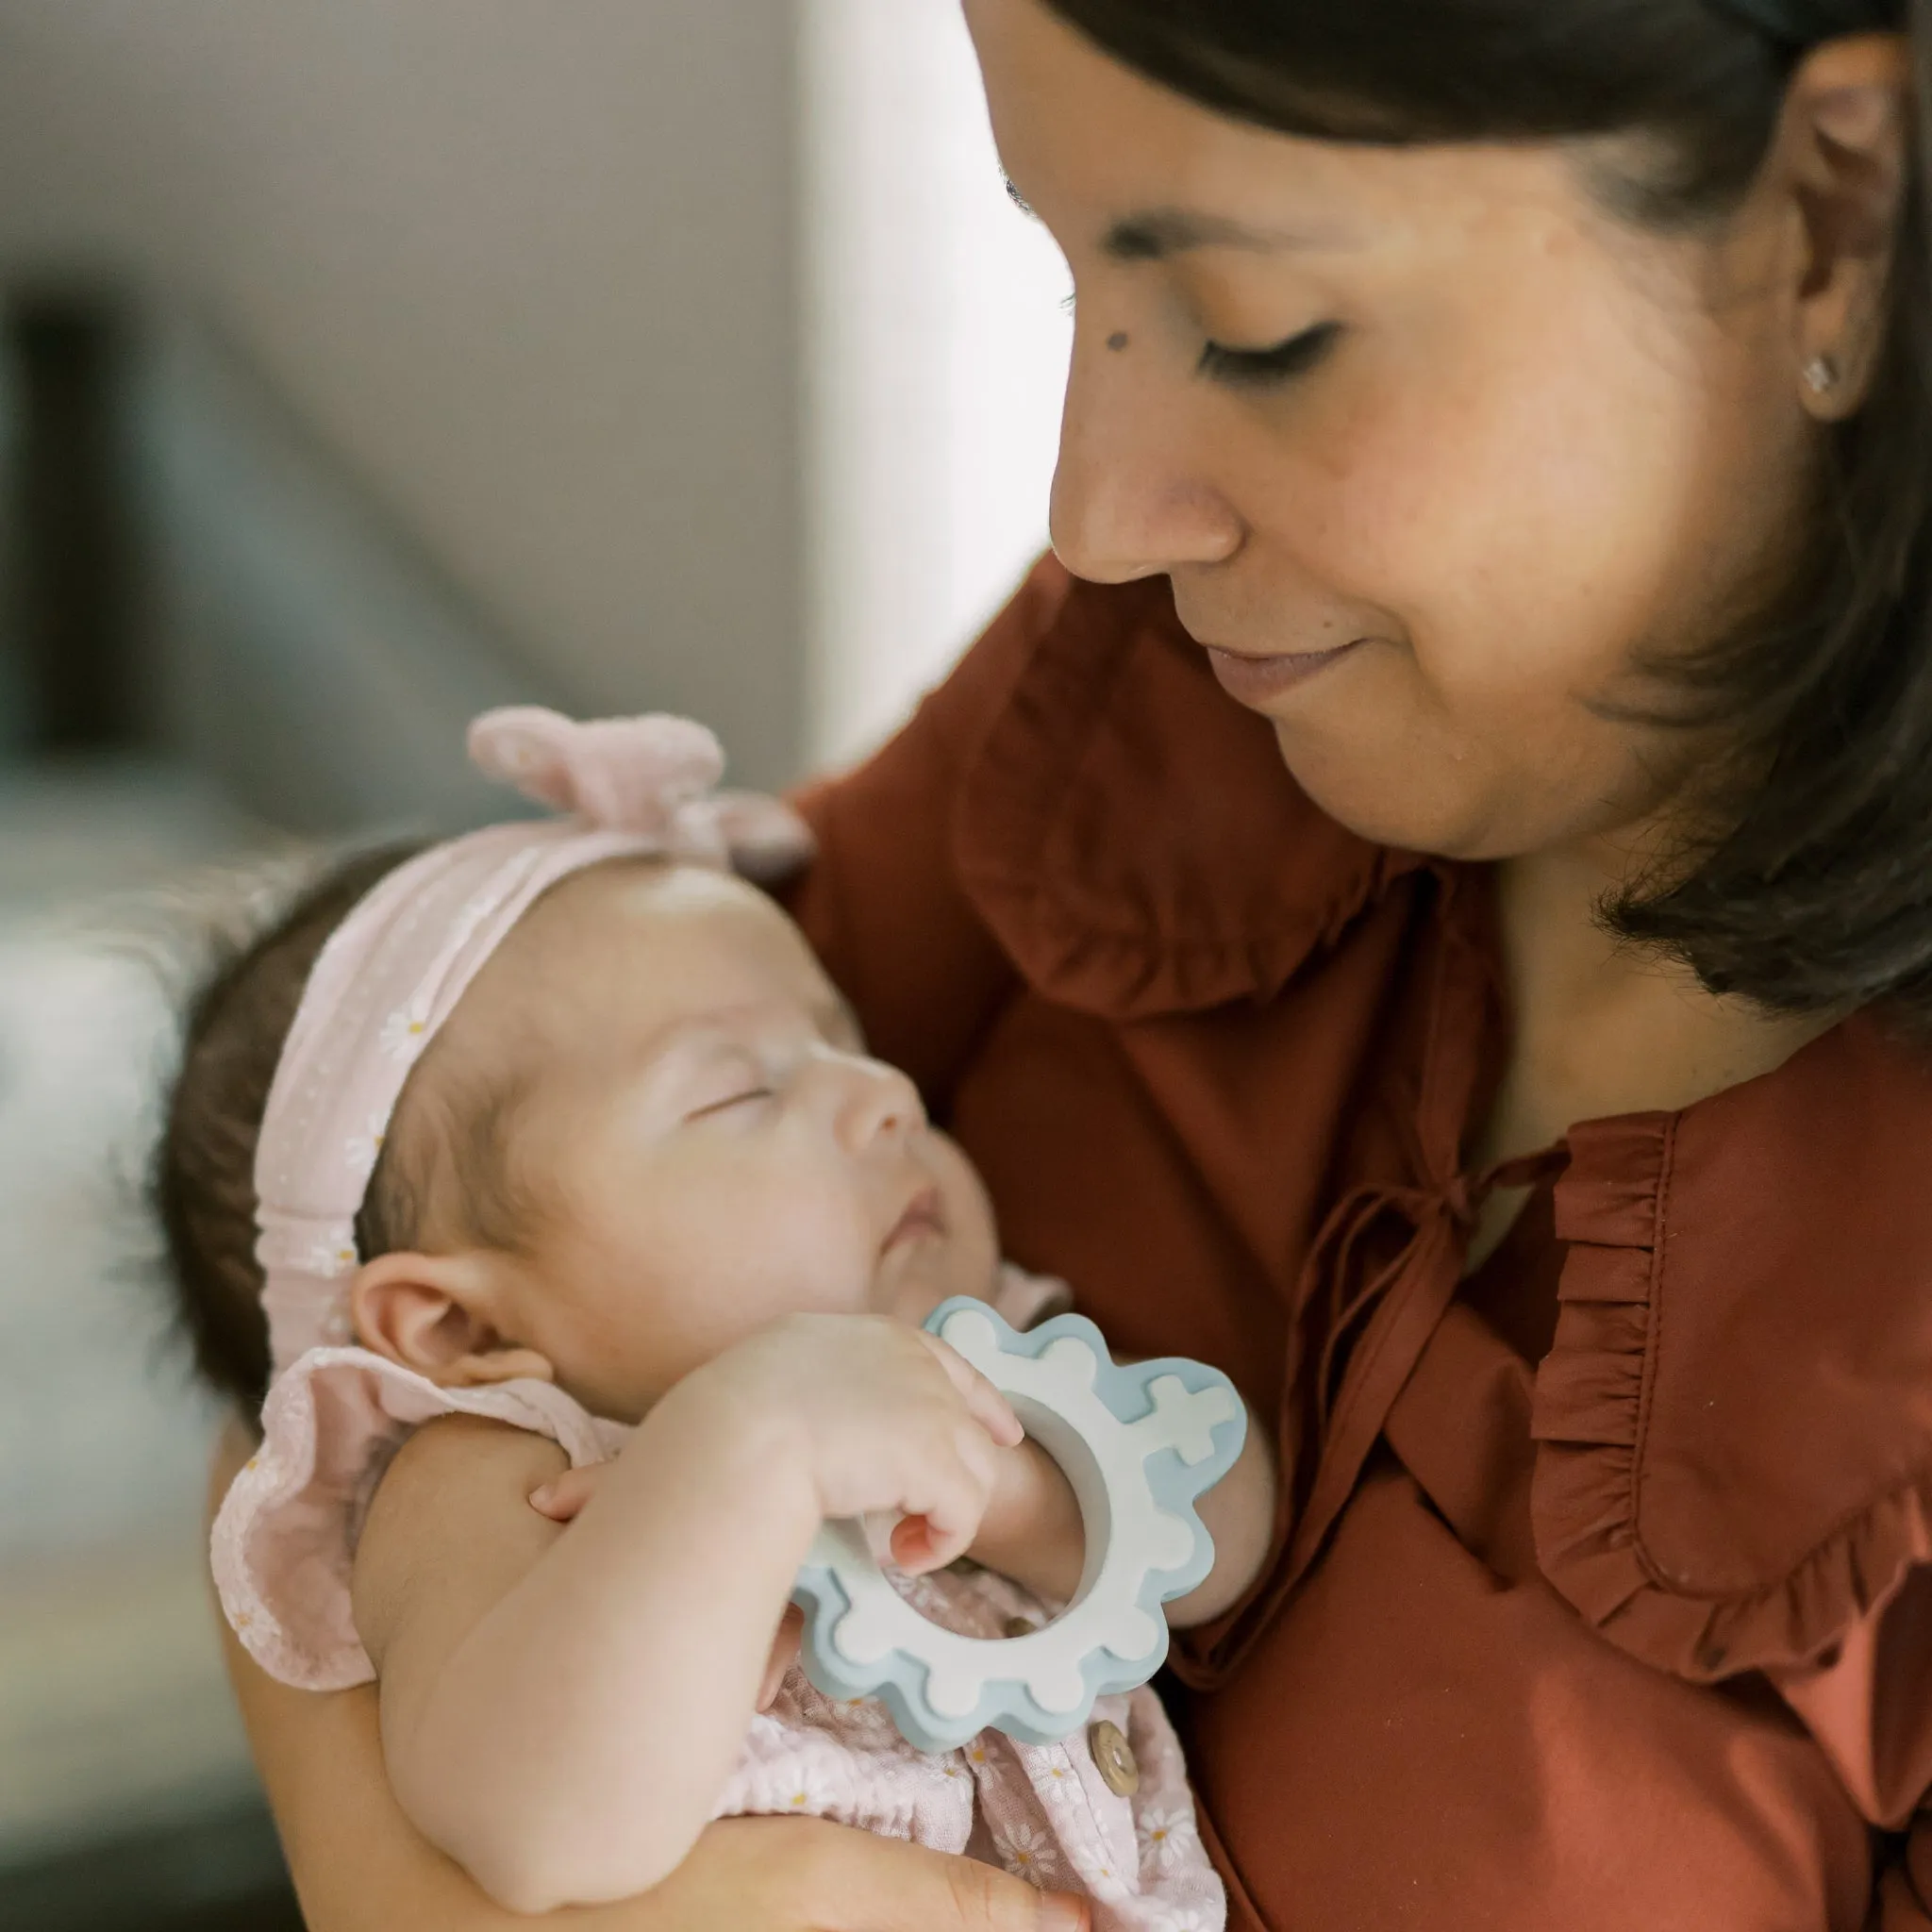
432	1313
1850	123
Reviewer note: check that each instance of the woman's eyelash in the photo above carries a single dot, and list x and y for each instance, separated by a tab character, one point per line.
1261	367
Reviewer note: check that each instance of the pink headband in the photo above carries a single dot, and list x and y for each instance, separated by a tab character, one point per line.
395	969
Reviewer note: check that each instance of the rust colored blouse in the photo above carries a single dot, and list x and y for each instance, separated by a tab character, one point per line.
1602	1595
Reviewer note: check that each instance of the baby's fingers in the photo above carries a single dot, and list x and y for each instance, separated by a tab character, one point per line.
914	1547
945	1505
986	1406
563	1498
918	1546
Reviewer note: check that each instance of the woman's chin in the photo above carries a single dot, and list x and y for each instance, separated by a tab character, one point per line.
1389	801
1366	797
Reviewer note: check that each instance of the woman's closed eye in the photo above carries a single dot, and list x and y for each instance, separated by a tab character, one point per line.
1264	368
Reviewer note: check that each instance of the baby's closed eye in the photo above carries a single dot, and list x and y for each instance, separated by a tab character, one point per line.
728	1078
741	1098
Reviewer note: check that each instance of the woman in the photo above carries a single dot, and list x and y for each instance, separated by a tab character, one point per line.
1492	1037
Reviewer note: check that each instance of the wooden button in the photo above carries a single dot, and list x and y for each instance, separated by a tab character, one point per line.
1021	1626
1113	1759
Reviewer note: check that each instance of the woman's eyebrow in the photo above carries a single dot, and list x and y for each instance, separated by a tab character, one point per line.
1155	234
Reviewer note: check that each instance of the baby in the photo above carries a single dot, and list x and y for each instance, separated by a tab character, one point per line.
592	1251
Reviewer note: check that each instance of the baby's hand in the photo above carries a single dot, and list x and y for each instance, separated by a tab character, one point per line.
886	1418
563	1498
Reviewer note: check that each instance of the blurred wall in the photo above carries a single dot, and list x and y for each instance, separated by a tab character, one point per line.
530	268
936	357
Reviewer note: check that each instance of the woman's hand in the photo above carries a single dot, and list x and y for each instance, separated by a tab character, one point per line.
781	1874
361	1867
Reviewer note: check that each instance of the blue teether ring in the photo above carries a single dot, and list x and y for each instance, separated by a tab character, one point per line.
1139	1445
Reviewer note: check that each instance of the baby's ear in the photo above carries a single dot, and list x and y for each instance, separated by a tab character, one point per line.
432	1314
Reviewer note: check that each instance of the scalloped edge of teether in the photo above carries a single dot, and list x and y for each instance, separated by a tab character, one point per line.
901	1675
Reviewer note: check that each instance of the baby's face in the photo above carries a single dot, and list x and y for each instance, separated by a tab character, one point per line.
703	1142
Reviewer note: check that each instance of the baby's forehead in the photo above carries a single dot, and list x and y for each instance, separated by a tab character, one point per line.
646	944
688	902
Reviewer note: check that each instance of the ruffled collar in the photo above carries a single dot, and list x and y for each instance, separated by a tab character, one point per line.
1734	1425
1130	834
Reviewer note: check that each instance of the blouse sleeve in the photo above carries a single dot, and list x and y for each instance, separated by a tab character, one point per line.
883	903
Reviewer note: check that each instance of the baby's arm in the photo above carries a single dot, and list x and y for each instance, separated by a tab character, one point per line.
1032	1531
536	1683
561	1706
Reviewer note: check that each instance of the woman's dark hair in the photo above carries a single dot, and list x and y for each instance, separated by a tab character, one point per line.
1813	890
204	1172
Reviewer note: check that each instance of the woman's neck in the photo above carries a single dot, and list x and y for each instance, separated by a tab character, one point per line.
1601	1027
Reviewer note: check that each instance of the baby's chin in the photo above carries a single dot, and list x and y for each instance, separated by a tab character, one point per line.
911	1293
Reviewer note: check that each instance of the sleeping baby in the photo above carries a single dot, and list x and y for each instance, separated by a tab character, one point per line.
543	1179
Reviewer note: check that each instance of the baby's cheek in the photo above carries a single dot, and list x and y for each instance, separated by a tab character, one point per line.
974	1246
820	1253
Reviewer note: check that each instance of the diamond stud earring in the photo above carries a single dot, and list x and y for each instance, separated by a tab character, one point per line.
1821	374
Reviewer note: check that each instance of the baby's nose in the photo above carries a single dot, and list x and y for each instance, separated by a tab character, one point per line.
880	1100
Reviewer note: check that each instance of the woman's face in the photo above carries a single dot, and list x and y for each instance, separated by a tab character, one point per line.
1432	447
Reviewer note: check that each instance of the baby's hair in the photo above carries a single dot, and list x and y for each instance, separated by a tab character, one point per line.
449	1143
204	1173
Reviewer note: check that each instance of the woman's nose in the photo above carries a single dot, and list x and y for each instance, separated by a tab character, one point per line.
1129	499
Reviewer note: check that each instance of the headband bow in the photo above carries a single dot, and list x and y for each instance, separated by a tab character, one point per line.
655	778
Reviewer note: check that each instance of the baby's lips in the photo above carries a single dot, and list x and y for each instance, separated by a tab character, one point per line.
925	1215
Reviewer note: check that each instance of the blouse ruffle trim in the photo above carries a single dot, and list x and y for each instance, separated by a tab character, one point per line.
1592	1418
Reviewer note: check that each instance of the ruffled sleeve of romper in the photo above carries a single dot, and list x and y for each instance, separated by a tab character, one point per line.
283	1549
1734	1428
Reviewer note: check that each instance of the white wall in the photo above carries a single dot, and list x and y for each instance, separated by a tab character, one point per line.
937	351
529	264
696	338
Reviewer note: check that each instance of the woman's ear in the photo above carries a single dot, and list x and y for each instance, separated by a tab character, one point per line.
433	1313
1848	127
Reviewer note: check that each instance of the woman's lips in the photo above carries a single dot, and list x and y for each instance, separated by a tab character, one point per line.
1255	680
